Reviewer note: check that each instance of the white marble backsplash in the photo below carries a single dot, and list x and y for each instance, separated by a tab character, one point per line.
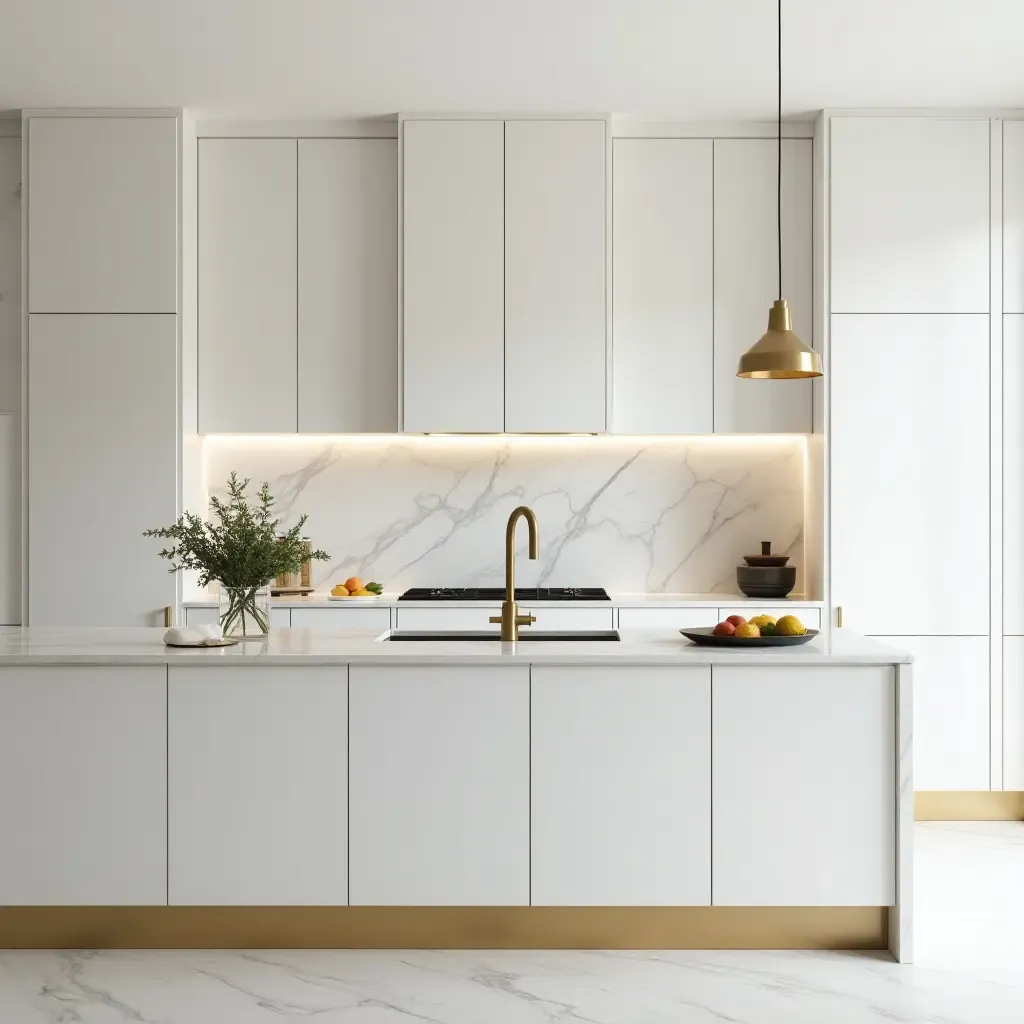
630	514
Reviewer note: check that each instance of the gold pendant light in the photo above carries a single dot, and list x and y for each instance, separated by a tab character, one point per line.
779	354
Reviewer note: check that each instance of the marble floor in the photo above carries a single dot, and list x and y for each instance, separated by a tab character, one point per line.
970	968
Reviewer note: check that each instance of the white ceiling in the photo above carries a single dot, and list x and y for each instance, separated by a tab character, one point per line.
657	59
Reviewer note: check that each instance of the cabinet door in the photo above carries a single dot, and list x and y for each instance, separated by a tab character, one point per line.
439	790
453	276
258	786
1013	473
747	283
620	786
662	240
1013	713
247	285
910	473
556	351
1013	217
103	220
804	800
83	785
909	215
348	286
102	411
951	710
335	620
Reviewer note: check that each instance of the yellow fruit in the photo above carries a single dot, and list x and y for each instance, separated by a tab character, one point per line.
789	625
748	629
763	620
353	583
363	592
340	590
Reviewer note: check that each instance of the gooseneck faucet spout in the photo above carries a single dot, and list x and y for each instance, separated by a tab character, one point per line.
510	618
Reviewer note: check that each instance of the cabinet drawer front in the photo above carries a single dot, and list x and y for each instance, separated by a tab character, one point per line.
666	618
332	620
446	618
810	617
571	618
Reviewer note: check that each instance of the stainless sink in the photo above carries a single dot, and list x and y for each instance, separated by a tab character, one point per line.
525	637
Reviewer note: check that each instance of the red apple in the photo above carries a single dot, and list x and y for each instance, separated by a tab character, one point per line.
724	629
736	620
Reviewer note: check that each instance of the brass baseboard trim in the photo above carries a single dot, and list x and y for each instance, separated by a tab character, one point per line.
969	805
443	927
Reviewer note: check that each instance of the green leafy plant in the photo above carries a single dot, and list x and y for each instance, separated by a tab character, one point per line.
242	548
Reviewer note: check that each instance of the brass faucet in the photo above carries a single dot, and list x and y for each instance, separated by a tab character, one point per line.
510	618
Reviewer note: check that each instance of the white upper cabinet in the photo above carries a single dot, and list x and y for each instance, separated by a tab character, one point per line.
453	276
746	278
348	286
910	473
909	215
556	348
1013	217
104	214
662	238
102	467
247	285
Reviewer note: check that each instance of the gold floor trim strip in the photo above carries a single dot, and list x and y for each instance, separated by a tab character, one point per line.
969	805
443	927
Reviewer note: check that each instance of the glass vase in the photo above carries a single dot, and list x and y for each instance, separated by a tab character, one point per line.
245	611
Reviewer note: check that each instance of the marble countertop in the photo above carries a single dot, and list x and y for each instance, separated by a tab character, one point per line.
618	600
51	645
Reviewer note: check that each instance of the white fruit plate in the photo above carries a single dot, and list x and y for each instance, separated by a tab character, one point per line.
353	600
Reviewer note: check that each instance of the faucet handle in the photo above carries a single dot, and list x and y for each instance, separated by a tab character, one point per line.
525	620
496	619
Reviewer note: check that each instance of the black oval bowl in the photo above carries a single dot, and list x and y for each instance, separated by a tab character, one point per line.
702	635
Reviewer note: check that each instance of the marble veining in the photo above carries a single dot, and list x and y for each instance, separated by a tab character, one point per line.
970	894
641	515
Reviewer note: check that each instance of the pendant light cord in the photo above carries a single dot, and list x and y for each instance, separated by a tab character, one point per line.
778	175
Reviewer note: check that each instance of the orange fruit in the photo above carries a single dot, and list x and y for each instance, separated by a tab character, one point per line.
748	630
353	583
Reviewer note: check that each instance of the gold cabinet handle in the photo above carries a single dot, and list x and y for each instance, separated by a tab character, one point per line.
168	616
839	616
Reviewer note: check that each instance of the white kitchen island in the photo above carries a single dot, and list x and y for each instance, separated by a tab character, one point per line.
344	790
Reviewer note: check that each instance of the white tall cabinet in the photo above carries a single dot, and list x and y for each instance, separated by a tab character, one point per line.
102	364
909	393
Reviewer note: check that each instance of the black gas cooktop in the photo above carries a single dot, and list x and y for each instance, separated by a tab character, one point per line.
498	594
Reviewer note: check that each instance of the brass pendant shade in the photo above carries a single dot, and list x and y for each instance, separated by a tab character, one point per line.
779	354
